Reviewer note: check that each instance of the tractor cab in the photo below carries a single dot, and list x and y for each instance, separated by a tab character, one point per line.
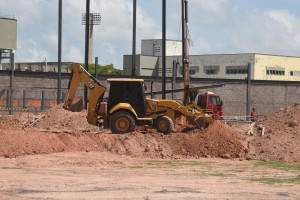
130	91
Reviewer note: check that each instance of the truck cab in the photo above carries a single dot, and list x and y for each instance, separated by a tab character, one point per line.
211	103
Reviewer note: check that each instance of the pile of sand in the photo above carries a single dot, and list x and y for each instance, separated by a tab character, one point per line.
281	140
58	119
61	130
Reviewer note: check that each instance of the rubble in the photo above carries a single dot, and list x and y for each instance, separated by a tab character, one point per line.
60	130
281	138
63	131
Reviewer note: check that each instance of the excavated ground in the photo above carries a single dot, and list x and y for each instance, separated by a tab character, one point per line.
281	139
57	130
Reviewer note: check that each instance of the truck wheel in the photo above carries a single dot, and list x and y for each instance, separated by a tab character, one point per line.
122	122
164	124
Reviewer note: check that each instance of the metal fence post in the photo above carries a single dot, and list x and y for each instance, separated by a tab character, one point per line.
248	92
96	67
43	101
174	75
63	97
7	98
24	99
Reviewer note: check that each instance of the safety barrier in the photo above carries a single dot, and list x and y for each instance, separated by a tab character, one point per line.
14	123
15	109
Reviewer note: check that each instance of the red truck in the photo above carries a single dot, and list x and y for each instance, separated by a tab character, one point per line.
211	103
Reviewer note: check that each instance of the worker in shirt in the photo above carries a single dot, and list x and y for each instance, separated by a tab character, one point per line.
253	115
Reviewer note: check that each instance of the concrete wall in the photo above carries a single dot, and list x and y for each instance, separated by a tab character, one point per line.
218	63
277	64
199	64
266	97
145	65
154	47
8	34
224	66
39	67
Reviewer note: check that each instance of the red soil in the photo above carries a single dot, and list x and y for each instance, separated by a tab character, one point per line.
60	130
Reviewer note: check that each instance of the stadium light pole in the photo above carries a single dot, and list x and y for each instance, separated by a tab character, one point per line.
163	49
86	63
59	50
133	39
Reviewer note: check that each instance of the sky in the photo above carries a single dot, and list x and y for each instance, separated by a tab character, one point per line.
216	27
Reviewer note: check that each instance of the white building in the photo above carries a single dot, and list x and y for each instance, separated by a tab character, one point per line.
220	66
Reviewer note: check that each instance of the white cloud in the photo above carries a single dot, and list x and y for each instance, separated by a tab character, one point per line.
273	31
28	51
209	13
37	29
216	26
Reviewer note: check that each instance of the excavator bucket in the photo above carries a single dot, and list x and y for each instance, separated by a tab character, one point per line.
202	121
77	107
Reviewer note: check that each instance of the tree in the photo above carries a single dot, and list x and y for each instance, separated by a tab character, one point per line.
106	69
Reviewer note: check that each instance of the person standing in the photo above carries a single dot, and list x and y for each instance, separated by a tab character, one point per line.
253	115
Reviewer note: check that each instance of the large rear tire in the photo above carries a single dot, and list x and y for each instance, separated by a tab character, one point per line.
164	124
122	122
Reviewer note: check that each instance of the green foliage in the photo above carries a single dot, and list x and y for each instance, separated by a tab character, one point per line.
220	174
136	167
106	69
278	165
276	180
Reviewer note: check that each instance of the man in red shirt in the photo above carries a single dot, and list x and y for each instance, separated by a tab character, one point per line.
253	115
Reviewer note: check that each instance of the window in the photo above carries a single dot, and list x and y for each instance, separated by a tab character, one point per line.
156	49
277	71
193	70
214	100
211	72
211	69
236	69
295	73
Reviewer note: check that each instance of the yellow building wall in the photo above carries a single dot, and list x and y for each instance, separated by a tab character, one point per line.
273	62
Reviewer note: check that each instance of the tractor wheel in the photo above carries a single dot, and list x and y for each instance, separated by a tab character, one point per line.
164	124
122	122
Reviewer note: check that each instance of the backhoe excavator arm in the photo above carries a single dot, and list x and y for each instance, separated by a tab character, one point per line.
96	92
157	107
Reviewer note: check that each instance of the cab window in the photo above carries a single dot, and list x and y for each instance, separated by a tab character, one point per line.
214	100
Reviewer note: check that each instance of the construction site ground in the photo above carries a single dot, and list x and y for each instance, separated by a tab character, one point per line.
61	156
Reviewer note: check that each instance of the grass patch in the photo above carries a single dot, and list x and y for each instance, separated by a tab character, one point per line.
136	167
278	165
163	161
198	163
164	166
276	180
220	174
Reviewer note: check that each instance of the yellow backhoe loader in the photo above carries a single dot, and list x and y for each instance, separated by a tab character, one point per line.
126	105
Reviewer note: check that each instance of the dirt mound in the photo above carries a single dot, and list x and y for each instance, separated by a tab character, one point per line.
61	130
281	140
59	119
218	140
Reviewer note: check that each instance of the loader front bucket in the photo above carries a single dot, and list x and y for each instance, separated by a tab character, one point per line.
77	107
203	121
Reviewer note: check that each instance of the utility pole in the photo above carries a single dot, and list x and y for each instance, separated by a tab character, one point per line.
248	92
94	19
133	39
12	66
96	68
185	52
86	63
59	50
163	49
